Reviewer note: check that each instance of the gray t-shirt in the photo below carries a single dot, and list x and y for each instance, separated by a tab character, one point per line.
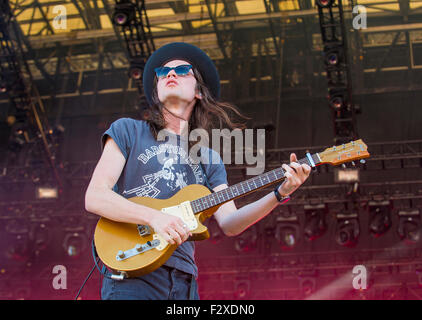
159	169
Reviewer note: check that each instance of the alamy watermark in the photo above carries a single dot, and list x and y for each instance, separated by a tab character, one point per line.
60	20
361	18
360	278
60	280
195	147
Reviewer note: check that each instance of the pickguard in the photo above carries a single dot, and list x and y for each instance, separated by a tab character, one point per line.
183	211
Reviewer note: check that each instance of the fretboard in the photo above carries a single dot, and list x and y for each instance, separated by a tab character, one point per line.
248	186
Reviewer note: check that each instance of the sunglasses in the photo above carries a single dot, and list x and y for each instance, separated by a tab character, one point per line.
182	70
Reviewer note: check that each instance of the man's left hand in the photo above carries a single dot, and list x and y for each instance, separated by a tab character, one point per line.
296	175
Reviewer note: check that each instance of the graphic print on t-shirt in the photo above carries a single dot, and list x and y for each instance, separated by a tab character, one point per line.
174	172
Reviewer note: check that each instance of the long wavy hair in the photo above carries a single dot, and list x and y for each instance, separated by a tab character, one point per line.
207	114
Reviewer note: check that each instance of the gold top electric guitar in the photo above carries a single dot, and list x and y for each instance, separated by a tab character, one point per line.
131	250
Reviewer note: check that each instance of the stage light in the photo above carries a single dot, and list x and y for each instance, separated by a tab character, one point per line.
247	240
307	285
350	175
336	102
135	73
124	13
19	250
136	69
332	59
379	217
287	232
337	98
332	55
47	193
324	3
242	290
40	237
74	244
315	225
347	229
409	229
57	131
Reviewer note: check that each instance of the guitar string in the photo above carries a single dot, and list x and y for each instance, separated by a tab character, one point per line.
221	196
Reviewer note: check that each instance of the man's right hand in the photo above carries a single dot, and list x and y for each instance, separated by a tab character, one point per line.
171	228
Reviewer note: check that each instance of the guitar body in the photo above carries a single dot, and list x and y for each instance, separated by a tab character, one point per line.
127	249
111	237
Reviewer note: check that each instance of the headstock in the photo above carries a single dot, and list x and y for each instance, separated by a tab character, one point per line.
354	150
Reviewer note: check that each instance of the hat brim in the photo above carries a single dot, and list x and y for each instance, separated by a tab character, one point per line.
182	51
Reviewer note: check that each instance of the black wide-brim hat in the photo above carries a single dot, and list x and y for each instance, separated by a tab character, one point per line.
182	51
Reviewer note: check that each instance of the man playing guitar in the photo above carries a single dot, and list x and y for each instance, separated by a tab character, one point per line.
182	87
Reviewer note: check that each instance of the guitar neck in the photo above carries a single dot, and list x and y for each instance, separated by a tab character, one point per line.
248	186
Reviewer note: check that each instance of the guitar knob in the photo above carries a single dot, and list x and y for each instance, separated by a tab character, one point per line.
138	247
121	254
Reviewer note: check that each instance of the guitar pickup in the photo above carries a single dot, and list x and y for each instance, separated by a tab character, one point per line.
183	211
144	230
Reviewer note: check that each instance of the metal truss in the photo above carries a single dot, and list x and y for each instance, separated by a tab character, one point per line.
186	18
30	125
335	56
138	39
99	50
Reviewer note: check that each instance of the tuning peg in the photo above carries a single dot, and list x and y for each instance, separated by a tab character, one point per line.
362	161
353	163
343	166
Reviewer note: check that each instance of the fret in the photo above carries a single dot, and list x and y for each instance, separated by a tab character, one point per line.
230	195
227	193
217	198
273	171
276	174
269	176
197	206
249	185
